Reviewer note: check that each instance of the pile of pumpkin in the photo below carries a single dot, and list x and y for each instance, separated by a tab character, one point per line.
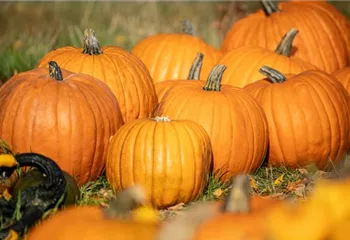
175	109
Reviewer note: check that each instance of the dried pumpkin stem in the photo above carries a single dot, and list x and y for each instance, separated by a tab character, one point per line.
238	198
196	67
214	79
272	74
285	46
91	45
187	27
269	6
161	119
55	71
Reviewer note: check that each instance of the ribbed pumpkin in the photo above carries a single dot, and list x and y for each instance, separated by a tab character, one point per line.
125	74
234	121
66	116
308	117
194	74
170	55
343	75
243	63
322	40
171	160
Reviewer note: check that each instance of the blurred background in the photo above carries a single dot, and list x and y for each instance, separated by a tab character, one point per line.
30	29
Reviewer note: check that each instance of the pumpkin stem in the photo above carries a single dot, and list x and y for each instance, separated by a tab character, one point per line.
214	79
272	74
196	67
55	71
187	27
269	7
91	45
285	46
238	198
124	202
161	119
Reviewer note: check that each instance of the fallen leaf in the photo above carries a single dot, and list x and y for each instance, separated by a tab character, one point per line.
218	192
279	180
253	184
303	171
176	207
293	185
300	190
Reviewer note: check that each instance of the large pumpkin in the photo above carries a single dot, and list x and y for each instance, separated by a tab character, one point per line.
322	41
170	55
234	121
125	74
308	117
243	63
170	159
66	116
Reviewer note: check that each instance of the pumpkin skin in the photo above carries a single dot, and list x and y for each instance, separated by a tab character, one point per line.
170	55
234	121
171	160
68	120
243	63
125	75
321	41
305	125
343	75
88	222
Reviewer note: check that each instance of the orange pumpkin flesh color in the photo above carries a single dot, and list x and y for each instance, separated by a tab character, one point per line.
243	63
126	76
66	116
234	121
170	159
170	55
308	117
323	40
163	87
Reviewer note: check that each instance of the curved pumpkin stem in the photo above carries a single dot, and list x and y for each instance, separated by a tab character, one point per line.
214	79
187	27
269	6
196	67
272	74
91	45
238	198
55	71
161	119
285	46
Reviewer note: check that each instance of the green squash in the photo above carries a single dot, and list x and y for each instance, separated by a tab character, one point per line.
35	177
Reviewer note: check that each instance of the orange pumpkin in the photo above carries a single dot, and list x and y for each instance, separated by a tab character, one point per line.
125	74
306	125
243	63
66	116
234	121
170	55
322	41
343	75
171	160
163	87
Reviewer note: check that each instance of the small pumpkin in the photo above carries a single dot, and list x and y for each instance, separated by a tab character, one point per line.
68	117
323	40
234	121
126	76
169	55
170	159
35	177
306	125
243	63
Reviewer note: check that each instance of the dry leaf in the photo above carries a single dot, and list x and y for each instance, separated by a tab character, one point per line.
279	180
218	192
300	190
293	185
253	184
176	207
303	171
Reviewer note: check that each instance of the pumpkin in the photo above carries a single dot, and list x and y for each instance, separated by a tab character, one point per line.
322	40
194	74
91	222
243	63
35	177
234	121
170	159
125	74
65	116
343	75
307	115
169	55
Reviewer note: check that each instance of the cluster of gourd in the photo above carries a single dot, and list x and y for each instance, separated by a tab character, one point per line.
176	109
